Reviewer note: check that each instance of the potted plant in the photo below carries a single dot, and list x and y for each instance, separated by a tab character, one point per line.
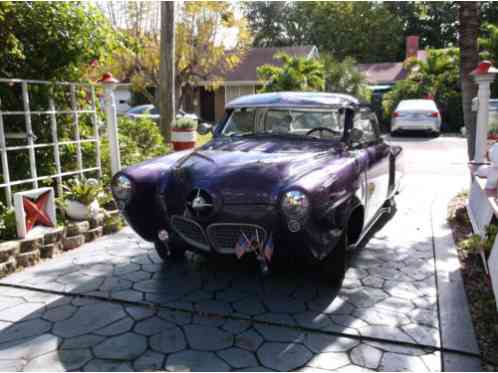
80	198
183	133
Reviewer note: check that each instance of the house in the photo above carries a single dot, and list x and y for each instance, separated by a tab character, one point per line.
242	80
385	74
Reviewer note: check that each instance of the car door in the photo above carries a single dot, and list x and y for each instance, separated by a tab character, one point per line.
377	175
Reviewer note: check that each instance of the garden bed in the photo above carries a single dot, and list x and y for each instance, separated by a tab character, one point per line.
477	283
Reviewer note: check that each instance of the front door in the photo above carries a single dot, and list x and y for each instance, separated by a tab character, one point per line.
207	105
378	163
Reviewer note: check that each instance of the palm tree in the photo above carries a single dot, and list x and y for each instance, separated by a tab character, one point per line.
295	74
469	18
167	68
436	73
344	77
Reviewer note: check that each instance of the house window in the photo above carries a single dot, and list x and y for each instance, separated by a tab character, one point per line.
232	92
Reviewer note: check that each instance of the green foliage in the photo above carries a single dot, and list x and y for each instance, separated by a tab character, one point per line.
475	243
488	43
366	31
344	77
275	23
296	74
82	190
437	77
185	123
8	227
54	40
139	140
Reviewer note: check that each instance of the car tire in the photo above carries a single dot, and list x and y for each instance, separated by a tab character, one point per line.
334	266
176	250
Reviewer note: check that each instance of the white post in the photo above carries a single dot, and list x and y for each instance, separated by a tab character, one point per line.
484	75
112	121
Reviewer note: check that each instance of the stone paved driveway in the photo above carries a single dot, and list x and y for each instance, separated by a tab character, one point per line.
112	304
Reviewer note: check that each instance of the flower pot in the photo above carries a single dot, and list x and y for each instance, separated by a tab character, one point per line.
78	211
183	138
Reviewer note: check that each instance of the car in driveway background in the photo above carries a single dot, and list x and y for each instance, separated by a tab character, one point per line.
149	111
144	111
416	115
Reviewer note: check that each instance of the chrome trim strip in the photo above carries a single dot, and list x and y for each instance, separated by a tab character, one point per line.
191	242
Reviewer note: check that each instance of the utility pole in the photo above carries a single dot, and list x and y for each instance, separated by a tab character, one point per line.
167	69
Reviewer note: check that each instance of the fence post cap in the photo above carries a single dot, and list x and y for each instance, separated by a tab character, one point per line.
484	67
107	78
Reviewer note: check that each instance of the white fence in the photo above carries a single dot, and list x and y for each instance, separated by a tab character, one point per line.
11	130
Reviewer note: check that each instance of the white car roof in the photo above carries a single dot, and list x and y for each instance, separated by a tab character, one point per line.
420	104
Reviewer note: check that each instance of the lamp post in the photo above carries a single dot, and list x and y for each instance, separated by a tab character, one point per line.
109	83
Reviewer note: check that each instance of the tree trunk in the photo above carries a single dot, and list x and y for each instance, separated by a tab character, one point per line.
469	19
167	69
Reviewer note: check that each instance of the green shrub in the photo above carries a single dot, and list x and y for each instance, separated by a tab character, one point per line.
8	227
475	243
139	140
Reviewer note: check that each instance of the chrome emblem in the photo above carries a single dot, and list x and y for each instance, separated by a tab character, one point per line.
200	202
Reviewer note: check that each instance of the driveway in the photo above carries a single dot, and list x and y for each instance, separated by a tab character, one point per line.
112	304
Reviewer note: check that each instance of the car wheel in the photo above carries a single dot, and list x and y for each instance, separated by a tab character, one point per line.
176	250
334	266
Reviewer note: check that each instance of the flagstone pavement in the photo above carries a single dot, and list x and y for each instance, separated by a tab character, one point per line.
113	305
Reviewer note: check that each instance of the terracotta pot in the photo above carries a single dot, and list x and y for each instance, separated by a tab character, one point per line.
78	211
183	138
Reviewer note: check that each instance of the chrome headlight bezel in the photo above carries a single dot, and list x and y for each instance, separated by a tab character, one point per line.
295	205
122	188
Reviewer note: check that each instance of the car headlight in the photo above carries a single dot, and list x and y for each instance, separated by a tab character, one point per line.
295	204
121	188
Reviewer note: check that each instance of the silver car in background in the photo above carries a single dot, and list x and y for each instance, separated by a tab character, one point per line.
416	115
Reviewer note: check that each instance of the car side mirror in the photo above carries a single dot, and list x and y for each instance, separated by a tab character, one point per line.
204	128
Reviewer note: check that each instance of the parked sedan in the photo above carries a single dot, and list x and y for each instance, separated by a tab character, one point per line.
416	115
151	112
144	111
286	174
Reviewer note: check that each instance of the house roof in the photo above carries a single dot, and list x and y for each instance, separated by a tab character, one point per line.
245	71
383	73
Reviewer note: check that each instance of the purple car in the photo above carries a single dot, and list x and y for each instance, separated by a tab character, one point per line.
286	174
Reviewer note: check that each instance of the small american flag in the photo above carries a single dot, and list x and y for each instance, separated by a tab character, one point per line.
268	249
242	246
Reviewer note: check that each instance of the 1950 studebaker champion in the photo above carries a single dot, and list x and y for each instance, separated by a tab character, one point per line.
286	174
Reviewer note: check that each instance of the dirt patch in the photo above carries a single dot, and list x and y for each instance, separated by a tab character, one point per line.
477	283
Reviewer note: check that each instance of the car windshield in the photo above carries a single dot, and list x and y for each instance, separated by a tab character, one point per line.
285	122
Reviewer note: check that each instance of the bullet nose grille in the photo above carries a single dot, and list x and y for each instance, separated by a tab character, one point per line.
190	231
224	237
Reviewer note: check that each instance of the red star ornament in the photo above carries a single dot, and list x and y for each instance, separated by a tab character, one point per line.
35	211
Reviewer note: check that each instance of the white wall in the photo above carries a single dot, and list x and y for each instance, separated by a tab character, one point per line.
123	98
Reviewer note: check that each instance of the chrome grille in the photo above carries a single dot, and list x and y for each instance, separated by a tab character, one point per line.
224	236
190	231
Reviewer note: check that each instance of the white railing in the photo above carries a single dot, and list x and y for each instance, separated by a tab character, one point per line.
32	147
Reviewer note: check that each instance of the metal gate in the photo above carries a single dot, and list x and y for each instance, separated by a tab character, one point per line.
55	114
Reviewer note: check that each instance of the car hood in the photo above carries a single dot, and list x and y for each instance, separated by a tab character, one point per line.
255	170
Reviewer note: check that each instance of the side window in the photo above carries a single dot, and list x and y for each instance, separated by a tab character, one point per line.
365	122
